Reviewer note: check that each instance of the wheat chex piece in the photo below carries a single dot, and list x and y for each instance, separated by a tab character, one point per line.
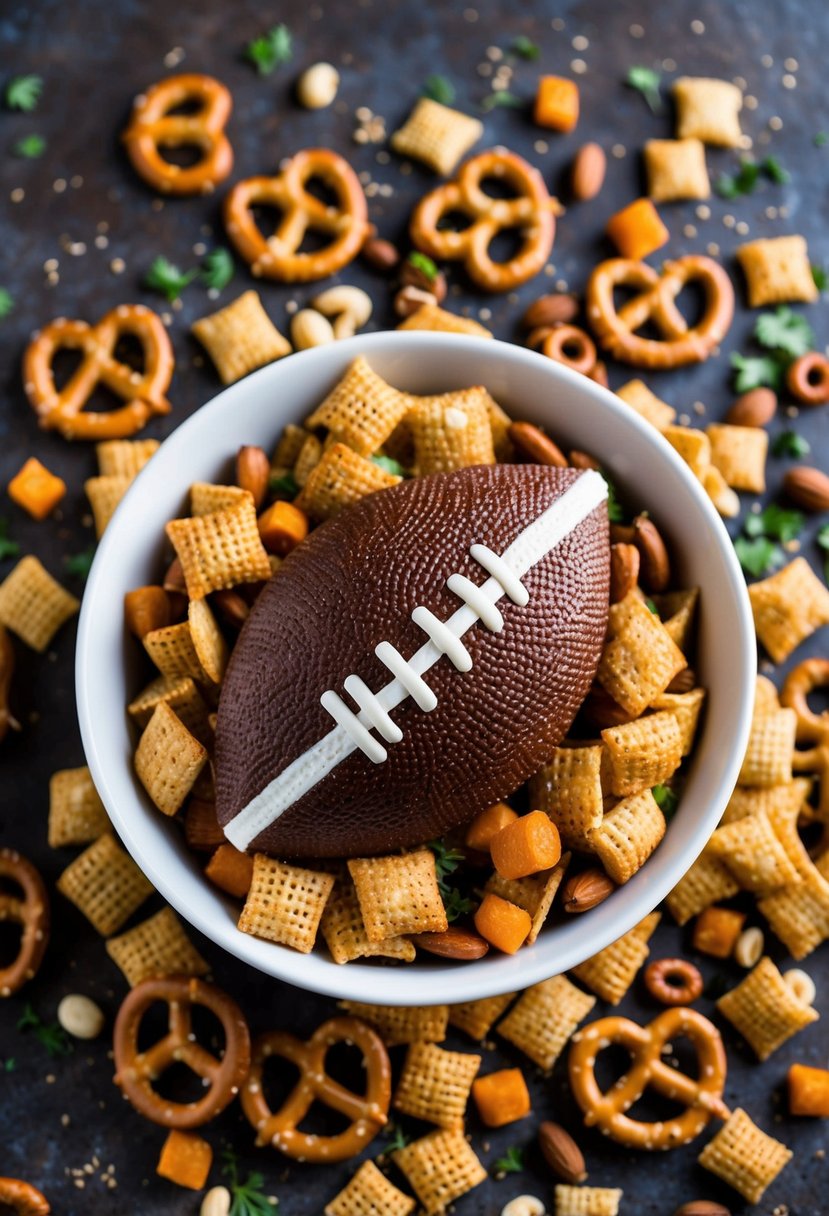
440	1168
770	750
765	1010
587	1200
777	271
639	397
642	753
772	801
220	550
568	788
398	894
158	946
676	170
400	1024
437	135
124	457
535	893
745	1157
209	644
707	882
338	480
76	813
285	903
33	604
105	884
181	694
740	452
611	972
544	1017
207	497
754	855
307	459
692	445
369	1193
362	410
435	1084
345	934
685	707
788	607
677	611
104	494
628	835
641	658
168	759
709	110
476	1018
435	319
172	650
451	431
240	337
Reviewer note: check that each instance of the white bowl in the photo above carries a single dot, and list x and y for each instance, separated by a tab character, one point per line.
579	414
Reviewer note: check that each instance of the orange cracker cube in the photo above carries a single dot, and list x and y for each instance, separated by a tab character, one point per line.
185	1159
502	1097
526	846
557	103
36	490
230	870
637	230
808	1091
503	924
282	527
487	824
716	931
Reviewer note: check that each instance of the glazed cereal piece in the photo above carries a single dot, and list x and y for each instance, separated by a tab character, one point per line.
451	431
745	1157
401	1024
476	1018
788	607
240	337
285	903
168	760
641	754
35	489
104	494
487	824
206	497
628	835
33	605
692	445
341	478
639	397
435	1084
182	696
124	457
361	411
76	813
173	651
105	884
637	230
706	882
534	894
708	110
717	931
770	751
641	658
434	319
676	170
440	1167
158	946
754	855
502	1097
777	270
437	136
808	1091
543	1019
398	894
529	845
230	870
569	789
367	1193
773	802
739	452
611	972
685	708
587	1200
185	1159
764	1009
220	550
345	934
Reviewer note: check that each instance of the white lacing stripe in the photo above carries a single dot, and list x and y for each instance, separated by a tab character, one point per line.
350	723
371	707
471	594
511	584
443	637
417	688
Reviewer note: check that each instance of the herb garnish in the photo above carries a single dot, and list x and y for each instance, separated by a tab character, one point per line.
447	861
615	510
502	98
423	263
666	799
821	139
217	269
79	564
646	81
270	50
524	47
167	279
438	88
390	465
784	330
778	523
744	181
822	542
6	302
758	556
512	1161
396	1138
23	93
756	371
8	547
284	483
52	1035
790	444
9	1065
247	1198
820	276
30	147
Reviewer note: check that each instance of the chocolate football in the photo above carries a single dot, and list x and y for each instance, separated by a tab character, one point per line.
412	662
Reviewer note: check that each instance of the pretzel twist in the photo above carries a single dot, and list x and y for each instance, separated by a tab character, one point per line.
278	256
802	680
63	409
367	1111
136	1070
702	1097
31	913
153	127
22	1198
656	303
532	211
807	378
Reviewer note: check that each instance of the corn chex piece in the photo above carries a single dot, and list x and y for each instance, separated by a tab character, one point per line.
400	1024
105	884
451	431
745	1157
765	1010
568	788
362	410
773	801
707	882
345	934
642	753
476	1018
76	813
676	169
740	452
770	750
754	855
288	446
168	759
611	972
220	550
639	397
435	1084
708	110
435	319
124	457
693	446
725	500
787	607
543	1019
587	1200
285	903
240	337
398	894
207	497
209	644
338	480
181	694
777	271
369	1193
765	696
33	605
677	612
104	494
172	650
685	707
437	135
641	658
798	915
158	946
535	893
440	1168
629	834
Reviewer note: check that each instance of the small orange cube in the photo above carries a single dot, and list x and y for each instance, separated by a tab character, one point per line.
502	1097
526	846
637	230
230	870
282	527
487	824
185	1159
716	931
36	490
808	1091
504	925
557	103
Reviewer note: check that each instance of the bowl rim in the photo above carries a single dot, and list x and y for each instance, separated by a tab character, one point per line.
409	985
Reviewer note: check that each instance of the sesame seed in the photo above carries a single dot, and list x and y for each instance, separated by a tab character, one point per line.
541	146
789	81
750	101
713	249
557	23
117	265
776	123
580	43
549	271
740	82
684	420
65	1120
697	27
484	69
689	230
703	212
494	53
77	249
766	61
382	158
699	408
741	228
50	264
578	66
363	114
199	249
771	213
101	241
470	15
728	221
791	65
174	57
746	141
669	65
485	314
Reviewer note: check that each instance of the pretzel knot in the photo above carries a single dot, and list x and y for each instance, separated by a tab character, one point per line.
31	912
607	1111
366	1111
63	409
22	1198
531	211
136	1070
278	256
802	680
655	303
154	127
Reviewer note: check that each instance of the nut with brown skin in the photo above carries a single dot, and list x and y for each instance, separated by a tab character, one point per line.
454	942
414	275
253	471
146	609
551	310
409	299
534	445
655	565
624	571
754	408
562	1154
807	488
588	172
583	460
231	608
381	255
586	890
702	1207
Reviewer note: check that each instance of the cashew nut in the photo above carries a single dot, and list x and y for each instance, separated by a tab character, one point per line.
310	328
216	1202
523	1205
349	305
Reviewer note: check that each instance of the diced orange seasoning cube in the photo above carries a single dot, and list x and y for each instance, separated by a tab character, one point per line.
637	230
487	824
185	1159
230	870
502	1097
527	845
503	924
282	527
716	931
36	490
557	103
808	1091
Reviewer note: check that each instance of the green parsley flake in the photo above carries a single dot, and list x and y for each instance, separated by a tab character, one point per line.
786	331
439	88
821	139
820	277
525	48
167	279
52	1035
732	185
646	81
756	371
822	542
79	564
423	263
758	556
790	444
23	93
396	1138
666	799
6	302
8	547
270	50
247	1198
217	269
778	523
30	147
502	99
512	1161
285	484
391	466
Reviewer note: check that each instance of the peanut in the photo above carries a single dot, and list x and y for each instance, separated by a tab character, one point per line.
523	1205
310	328
216	1202
317	86
146	609
801	985
409	299
80	1016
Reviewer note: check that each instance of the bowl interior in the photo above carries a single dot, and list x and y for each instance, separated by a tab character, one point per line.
579	414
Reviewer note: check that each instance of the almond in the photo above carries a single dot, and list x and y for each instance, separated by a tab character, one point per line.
380	255
586	890
146	609
561	1153
583	460
536	446
807	488
551	309
459	944
754	408
253	471
702	1207
587	175
624	571
656	565
231	607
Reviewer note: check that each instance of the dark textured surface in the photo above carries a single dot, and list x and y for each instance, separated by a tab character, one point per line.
94	58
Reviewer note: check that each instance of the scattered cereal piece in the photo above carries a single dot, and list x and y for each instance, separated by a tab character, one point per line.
777	271
105	884
764	1009
220	550
629	833
451	431
476	1018
641	658
692	445
434	1084
33	604
641	754
707	881
104	494
739	452
240	337
285	903
708	110
676	170
770	750
788	607
398	894
543	1019
76	813
158	946
611	972
754	855
341	478
587	1200
639	397
367	1193
744	1156
168	759
437	135
35	489
345	934
124	457
403	1024
440	1168
361	411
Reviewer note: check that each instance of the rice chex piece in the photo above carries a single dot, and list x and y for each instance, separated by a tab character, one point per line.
220	550
207	497
158	946
642	753
639	397
611	972
340	478
628	835
568	788
692	445
677	611
543	1019
452	431
435	319
240	337
535	893
788	607
745	1157
403	1024
641	658
104	494
440	1168
181	694
777	270
709	110
369	1193
33	604
765	1010
398	894
676	169
437	135
168	759
772	801
476	1018
770	750
76	813
308	457
587	1200
285	903
209	644
124	457
707	882
798	915
754	855
105	884
740	452
172	650
362	410
288	446
685	707
435	1084
345	934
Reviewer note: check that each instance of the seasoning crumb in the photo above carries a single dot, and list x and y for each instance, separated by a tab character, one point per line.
157	204
750	101
791	65
65	1120
485	314
713	249
117	266
174	57
766	61
470	15
578	66
689	230
101	241
668	65
484	69
703	212
699	408
557	23
776	123
541	146
741	228
771	213
728	221
580	43
494	53
684	420
789	81
792	411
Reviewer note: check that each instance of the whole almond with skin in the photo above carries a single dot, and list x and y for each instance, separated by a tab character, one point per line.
551	309
380	255
754	408
561	1153
583	460
655	565
702	1207
624	571
459	944
586	890
536	446
146	609
253	471
807	488
589	168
